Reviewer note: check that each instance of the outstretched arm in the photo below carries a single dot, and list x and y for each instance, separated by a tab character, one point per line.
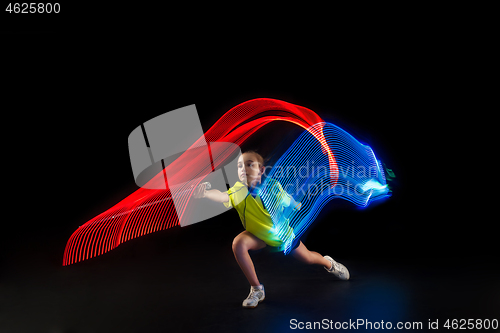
214	195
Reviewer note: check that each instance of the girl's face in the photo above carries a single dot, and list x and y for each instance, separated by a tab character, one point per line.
249	171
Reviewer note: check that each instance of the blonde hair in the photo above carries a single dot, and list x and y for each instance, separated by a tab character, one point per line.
259	156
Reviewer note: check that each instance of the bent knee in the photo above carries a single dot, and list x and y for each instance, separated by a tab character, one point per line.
239	244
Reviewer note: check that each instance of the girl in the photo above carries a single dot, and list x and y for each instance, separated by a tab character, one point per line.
259	225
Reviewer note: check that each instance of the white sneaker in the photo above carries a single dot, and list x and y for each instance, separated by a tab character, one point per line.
337	269
256	296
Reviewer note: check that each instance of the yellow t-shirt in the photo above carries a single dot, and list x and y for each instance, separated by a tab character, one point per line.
254	216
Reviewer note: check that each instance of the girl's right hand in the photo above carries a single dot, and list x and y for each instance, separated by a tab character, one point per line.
200	190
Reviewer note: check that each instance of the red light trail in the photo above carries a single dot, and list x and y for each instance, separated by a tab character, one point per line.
148	210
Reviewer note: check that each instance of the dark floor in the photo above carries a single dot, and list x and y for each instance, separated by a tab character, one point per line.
76	94
179	281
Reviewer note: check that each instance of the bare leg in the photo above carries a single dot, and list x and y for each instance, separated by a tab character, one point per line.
301	253
241	244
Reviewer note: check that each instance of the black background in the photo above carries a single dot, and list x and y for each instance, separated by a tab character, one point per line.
76	86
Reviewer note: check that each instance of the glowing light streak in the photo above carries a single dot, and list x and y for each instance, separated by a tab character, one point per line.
360	180
144	211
